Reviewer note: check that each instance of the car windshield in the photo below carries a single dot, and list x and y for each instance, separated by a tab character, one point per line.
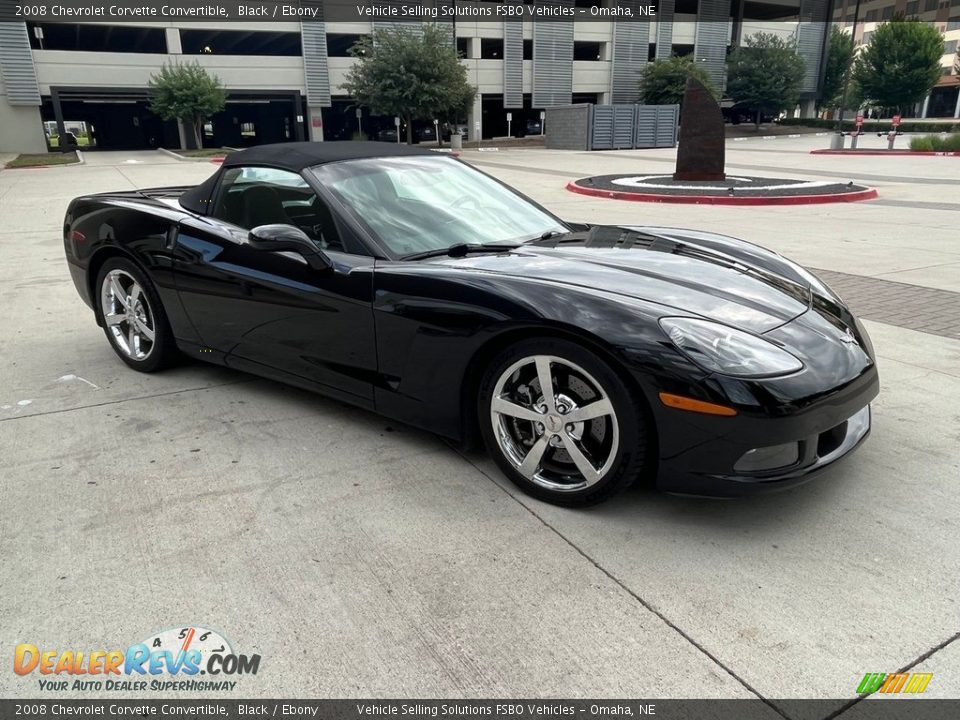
418	204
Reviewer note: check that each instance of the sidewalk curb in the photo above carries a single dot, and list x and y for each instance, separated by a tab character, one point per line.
868	194
181	158
921	153
792	136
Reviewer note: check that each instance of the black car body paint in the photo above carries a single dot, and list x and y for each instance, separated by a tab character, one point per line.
409	339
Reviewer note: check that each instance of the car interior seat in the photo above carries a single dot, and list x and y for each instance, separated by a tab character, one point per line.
262	206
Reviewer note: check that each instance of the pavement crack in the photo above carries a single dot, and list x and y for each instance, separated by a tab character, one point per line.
623	586
925	656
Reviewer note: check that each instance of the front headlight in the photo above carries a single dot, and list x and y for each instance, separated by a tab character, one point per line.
726	350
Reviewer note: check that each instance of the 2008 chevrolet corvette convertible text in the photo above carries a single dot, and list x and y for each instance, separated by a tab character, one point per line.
411	284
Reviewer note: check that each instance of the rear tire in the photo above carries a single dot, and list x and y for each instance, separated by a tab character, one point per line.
132	316
575	445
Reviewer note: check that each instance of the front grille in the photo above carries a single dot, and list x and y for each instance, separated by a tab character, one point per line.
830	440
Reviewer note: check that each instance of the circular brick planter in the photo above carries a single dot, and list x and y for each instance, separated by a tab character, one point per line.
735	190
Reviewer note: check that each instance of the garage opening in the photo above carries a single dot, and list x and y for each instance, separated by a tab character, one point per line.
121	119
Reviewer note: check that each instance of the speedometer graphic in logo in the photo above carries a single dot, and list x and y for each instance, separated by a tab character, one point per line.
190	639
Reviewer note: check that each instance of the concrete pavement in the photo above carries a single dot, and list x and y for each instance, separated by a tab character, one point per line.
360	557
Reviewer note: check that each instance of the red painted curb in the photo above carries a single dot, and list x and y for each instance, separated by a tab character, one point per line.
868	194
218	160
928	153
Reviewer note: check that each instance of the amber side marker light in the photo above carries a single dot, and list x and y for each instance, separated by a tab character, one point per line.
684	403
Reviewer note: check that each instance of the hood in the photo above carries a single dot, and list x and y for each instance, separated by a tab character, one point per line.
677	271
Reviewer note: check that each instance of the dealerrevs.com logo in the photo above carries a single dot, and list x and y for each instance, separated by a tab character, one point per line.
188	658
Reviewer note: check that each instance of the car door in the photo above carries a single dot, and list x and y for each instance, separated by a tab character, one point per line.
270	312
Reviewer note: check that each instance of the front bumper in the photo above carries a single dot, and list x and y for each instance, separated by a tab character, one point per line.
824	433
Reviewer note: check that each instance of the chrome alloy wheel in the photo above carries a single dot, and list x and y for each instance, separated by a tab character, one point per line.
554	423
127	315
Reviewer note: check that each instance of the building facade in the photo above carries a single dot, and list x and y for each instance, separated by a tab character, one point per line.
944	99
285	78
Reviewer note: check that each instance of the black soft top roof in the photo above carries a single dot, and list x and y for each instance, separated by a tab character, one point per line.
299	155
295	157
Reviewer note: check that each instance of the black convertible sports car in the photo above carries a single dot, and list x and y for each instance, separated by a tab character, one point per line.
409	283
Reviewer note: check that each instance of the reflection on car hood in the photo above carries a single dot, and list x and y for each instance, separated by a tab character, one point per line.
711	276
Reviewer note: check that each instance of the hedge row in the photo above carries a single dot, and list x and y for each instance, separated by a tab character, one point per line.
936	143
877	125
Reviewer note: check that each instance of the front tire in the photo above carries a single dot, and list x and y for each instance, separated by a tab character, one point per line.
132	316
560	423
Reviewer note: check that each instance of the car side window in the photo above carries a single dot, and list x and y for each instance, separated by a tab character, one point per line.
253	196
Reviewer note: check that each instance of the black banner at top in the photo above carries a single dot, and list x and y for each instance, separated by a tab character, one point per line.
441	11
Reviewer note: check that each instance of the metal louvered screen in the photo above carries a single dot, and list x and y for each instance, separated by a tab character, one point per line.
16	64
553	61
315	69
664	29
710	44
656	126
512	64
617	127
631	48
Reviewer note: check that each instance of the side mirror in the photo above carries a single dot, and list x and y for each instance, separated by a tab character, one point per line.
280	237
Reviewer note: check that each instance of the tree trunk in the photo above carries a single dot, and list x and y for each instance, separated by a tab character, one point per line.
757	121
409	122
197	132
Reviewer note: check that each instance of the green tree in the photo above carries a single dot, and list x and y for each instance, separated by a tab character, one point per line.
765	73
839	60
186	92
414	75
664	80
900	65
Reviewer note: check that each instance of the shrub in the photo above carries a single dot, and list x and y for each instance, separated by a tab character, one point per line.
936	143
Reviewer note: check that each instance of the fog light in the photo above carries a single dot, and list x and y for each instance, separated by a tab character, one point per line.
768	458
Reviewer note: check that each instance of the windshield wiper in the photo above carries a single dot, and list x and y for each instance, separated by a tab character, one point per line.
546	236
462	249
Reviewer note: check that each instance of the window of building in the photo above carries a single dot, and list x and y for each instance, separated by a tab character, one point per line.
528	49
886	13
239	42
953	23
97	38
339	44
587	50
929	5
913	7
686	7
491	48
872	15
950	48
866	38
463	47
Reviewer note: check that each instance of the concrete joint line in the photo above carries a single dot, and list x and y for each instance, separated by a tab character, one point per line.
932	651
125	400
645	604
